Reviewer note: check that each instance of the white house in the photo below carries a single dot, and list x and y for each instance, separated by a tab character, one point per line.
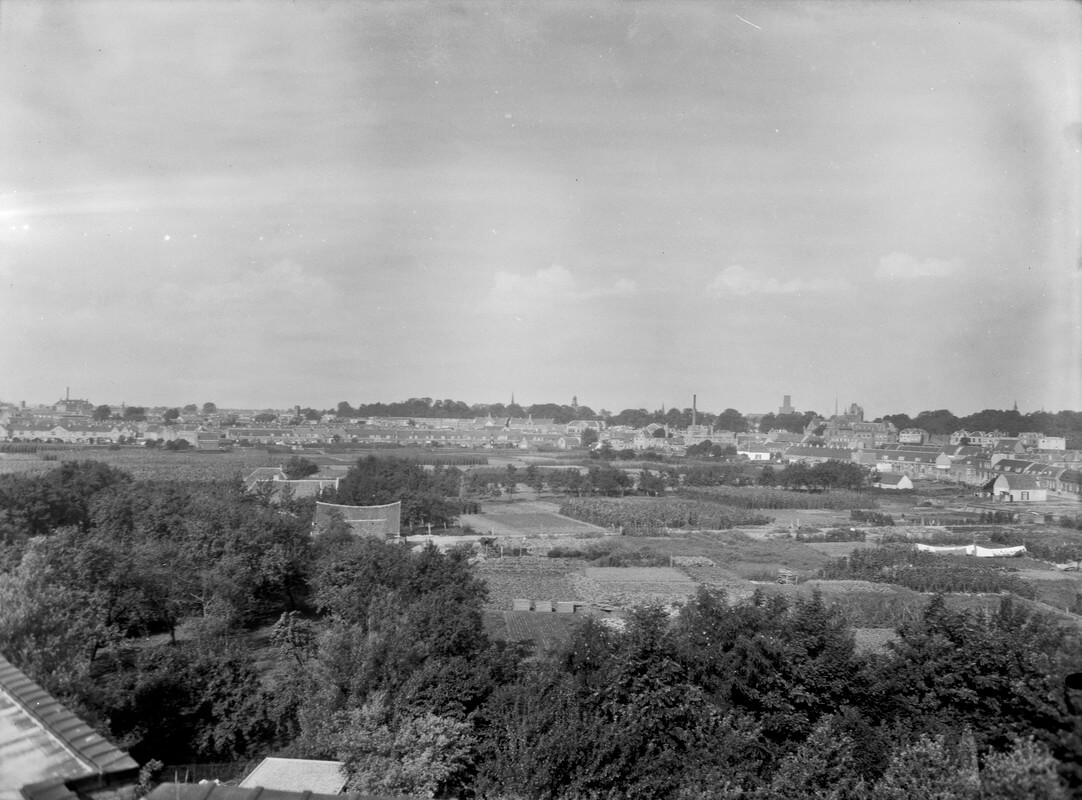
893	480
754	452
1014	488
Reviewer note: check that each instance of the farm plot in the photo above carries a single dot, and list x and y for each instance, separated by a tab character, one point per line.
630	586
747	557
546	630
547	580
26	466
525	519
1055	588
144	464
838	549
719	579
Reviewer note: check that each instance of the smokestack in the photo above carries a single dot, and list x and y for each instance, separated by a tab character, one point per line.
67	393
694	409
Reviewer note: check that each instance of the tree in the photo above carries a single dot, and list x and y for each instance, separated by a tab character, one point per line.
651	484
210	408
191	408
534	479
299	467
265	416
589	437
932	768
1002	670
1025	772
822	768
731	420
421	756
102	413
171	416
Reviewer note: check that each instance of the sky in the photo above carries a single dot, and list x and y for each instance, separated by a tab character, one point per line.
270	204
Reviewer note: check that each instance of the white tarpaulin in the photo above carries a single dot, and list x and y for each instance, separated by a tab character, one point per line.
973	550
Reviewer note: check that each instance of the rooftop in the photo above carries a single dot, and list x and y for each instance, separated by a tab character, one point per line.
44	745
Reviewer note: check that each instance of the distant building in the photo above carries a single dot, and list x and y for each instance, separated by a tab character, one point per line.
786	406
851	431
1051	443
913	436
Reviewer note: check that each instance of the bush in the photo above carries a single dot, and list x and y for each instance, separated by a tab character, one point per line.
832	535
872	518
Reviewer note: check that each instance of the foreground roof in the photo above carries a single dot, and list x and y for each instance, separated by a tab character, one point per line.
44	747
213	791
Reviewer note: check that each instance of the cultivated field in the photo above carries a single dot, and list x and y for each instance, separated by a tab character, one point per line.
631	586
531	578
546	630
530	518
154	464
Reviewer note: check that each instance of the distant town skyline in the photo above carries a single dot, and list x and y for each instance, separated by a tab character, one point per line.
840	407
260	202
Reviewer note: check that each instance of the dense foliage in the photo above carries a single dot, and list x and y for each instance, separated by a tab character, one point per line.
829	474
927	572
377	481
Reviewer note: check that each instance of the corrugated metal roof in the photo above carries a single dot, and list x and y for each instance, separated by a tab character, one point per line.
43	743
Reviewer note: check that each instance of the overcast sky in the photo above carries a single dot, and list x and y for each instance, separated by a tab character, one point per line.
274	203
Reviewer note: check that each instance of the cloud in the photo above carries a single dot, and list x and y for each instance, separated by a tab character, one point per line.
742	281
511	291
903	267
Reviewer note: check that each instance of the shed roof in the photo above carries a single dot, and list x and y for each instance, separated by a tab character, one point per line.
213	791
297	775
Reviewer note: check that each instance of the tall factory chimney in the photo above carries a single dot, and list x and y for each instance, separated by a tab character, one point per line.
694	409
